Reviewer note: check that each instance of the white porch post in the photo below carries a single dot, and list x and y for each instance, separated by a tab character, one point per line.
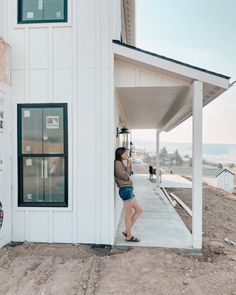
197	88
157	157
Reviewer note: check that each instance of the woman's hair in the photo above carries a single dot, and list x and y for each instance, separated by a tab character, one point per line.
119	152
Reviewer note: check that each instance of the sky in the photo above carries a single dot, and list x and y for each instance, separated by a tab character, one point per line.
201	33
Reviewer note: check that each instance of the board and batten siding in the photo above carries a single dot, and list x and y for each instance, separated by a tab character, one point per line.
118	204
70	63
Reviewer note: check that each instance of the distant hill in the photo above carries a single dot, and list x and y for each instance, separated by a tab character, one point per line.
216	152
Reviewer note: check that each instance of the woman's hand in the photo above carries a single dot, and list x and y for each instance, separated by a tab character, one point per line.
129	162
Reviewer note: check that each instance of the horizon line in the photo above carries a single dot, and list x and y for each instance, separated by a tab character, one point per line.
150	140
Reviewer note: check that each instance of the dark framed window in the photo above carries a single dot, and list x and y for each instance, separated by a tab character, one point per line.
42	155
42	11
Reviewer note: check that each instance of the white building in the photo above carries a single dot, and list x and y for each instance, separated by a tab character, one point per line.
71	87
218	177
221	178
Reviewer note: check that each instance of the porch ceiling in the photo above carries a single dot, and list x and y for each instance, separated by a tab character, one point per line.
156	92
150	107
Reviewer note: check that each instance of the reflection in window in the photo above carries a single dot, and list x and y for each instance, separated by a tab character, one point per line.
54	180
53	137
44	179
42	130
42	154
33	11
32	121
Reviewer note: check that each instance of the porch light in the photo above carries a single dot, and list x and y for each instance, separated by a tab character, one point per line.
124	137
131	148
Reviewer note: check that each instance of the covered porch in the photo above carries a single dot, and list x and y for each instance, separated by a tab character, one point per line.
159	225
155	92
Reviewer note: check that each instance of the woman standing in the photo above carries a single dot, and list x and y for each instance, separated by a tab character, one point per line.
125	185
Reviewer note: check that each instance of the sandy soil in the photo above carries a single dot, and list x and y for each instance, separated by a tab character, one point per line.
66	269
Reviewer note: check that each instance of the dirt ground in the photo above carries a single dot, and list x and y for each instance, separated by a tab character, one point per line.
80	269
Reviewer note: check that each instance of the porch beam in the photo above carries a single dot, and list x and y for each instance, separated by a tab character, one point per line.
197	104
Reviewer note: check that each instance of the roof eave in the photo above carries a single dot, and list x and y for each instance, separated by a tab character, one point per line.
168	64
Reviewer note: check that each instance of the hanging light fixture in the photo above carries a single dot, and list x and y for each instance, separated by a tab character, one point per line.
131	148
124	137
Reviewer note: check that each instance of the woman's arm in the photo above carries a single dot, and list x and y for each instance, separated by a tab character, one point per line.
121	171
128	170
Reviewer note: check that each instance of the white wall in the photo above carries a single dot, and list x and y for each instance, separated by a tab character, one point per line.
1	18
70	63
117	201
128	74
225	181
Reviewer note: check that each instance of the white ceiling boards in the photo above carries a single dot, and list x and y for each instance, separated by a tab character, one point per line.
148	107
155	92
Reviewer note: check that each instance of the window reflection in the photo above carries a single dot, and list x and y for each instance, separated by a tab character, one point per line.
42	131
32	122
42	10
41	154
53	137
44	179
33	180
54	184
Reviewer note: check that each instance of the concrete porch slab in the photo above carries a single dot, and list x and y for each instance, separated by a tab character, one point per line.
175	181
159	225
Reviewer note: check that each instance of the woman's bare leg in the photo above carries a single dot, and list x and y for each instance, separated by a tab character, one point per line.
137	212
134	216
128	215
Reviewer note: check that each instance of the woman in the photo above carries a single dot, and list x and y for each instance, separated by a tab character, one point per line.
125	185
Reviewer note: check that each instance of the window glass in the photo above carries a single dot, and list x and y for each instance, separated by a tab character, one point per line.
33	180
42	130
42	155
42	11
32	132
53	137
54	9
32	10
54	179
44	179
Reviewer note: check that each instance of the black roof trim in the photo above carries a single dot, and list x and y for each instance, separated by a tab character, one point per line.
170	59
224	170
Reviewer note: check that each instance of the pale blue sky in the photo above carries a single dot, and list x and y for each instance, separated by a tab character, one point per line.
201	33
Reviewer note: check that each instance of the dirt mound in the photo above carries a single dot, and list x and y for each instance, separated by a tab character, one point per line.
62	269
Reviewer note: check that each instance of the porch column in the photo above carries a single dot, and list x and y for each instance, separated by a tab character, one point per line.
197	105
157	157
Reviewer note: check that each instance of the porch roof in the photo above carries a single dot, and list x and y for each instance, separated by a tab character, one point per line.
170	59
155	91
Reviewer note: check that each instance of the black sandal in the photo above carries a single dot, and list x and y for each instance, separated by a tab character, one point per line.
133	239
124	234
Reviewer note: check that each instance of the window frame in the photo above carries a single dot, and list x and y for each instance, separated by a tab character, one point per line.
21	21
20	155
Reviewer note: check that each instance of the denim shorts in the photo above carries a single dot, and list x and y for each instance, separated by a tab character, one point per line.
126	193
